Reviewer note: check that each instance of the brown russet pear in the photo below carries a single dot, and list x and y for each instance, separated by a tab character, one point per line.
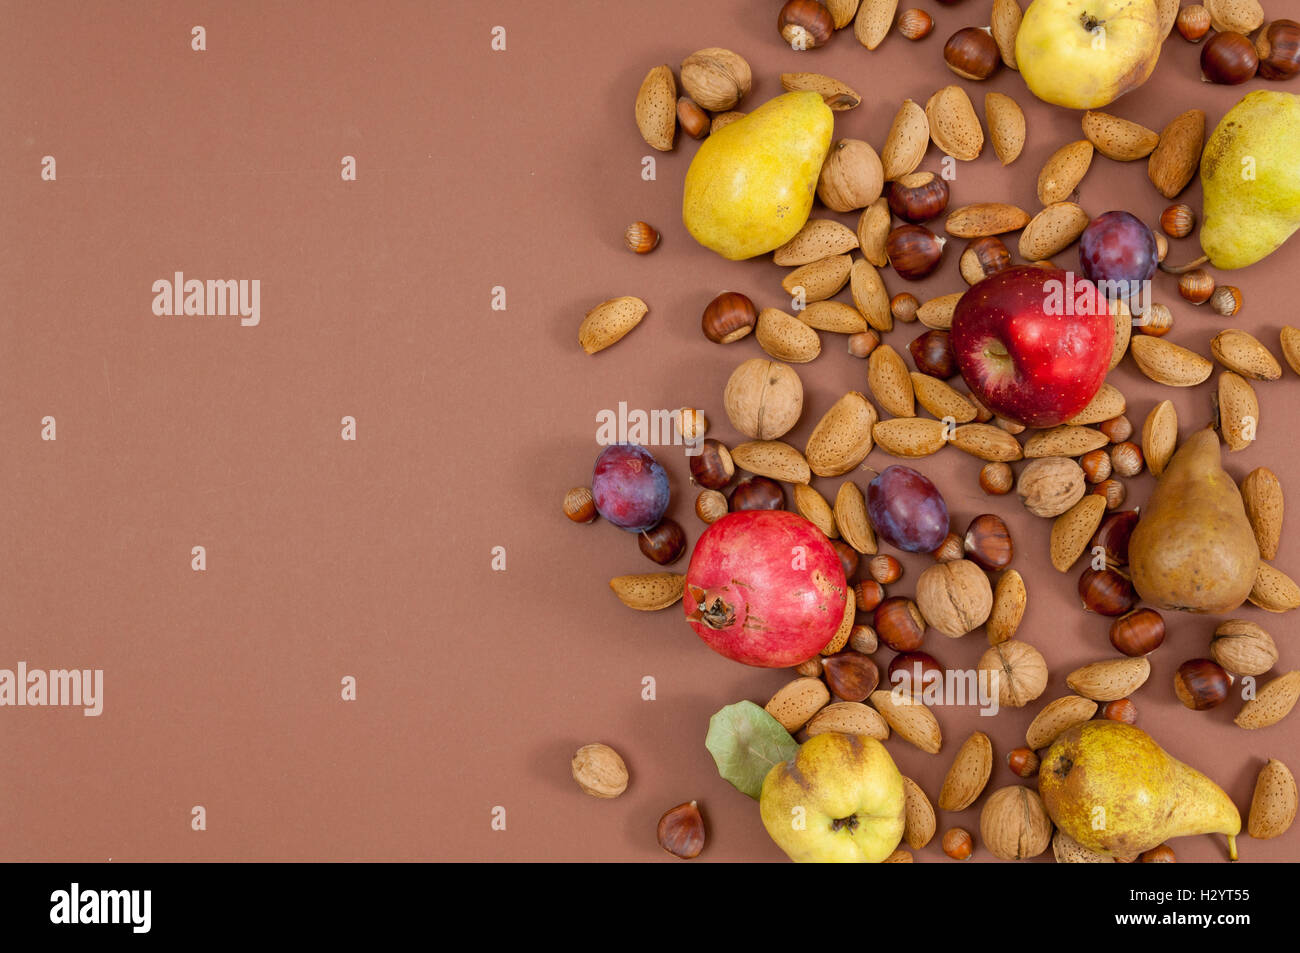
1109	786
1193	548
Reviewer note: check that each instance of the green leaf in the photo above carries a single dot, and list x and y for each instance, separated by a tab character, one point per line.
746	741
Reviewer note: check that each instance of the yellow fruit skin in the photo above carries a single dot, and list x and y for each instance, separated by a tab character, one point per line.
1250	174
1061	62
750	186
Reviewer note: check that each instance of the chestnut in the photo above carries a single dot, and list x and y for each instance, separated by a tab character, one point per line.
665	543
1122	709
869	594
1278	49
757	493
885	569
899	624
1201	683
848	558
712	468
933	355
1140	632
579	505
1106	591
805	24
982	257
972	53
1022	762
914	672
1113	536
988	542
851	676
1229	59
917	197
681	831
729	317
914	251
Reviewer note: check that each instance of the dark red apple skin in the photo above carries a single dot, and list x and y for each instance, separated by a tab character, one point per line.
1053	364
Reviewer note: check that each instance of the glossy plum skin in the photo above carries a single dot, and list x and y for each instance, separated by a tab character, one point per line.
629	487
907	510
1118	246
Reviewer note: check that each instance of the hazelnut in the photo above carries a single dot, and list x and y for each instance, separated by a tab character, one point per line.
914	251
681	831
692	424
805	24
917	197
933	355
1197	285
1164	854
958	844
757	493
1226	300
899	624
1122	709
972	53
903	306
1178	220
811	668
1019	669
996	479
885	569
694	121
862	343
1157	321
1096	465
729	317
848	561
915	24
1120	428
1229	59
1022	762
1112	491
665	543
951	548
599	771
712	468
851	676
1278	48
579	505
1126	459
1106	591
1014	824
870	594
1139	632
1193	22
1201	683
1162	245
988	542
711	506
862	638
913	672
640	238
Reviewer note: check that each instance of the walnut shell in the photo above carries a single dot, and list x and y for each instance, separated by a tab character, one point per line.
1019	669
851	177
715	78
1049	486
599	771
955	597
763	399
1014	824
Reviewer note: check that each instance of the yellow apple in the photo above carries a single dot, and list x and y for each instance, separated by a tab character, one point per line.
839	800
1084	54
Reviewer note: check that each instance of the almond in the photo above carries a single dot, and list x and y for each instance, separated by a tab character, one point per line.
842	438
839	96
1168	363
1067	850
1009	601
819	238
845	630
909	137
1111	679
647	592
941	399
1004	23
1274	590
772	458
1119	139
987	442
1052	231
1073	529
656	108
1160	436
1261	492
1273	805
1166	17
909	719
1235	16
1123	319
819	279
889	382
969	773
869	295
813	507
1006	121
609	321
937	313
797	701
873	232
985	218
1107	404
785	337
842	12
1273	702
1056	717
851	518
910	437
873	21
835	317
1242	352
1178	154
723	120
1238	411
899	856
849	718
954	127
1243	648
1064	441
1063	171
1291	347
918	815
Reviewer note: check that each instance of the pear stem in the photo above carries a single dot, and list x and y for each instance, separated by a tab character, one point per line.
1232	847
1183	269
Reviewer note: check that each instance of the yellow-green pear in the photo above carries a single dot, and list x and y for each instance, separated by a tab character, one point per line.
1250	176
839	800
1109	786
750	186
1193	548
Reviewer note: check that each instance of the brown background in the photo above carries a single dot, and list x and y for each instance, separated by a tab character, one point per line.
325	558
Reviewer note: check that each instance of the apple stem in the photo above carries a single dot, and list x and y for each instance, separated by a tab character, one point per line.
1183	269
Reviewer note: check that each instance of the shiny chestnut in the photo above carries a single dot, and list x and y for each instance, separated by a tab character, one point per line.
1113	536
914	251
917	197
712	468
757	493
933	355
848	558
851	676
913	672
1278	49
972	53
1138	633
805	24
1201	683
1229	59
1106	591
982	257
987	542
869	594
729	317
665	543
899	624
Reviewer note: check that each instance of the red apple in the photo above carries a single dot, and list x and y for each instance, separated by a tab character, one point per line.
1033	344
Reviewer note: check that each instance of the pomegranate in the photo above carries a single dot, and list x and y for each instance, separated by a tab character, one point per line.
765	587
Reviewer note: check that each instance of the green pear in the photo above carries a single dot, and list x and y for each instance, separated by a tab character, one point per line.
1109	786
1193	548
838	800
1250	175
750	186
